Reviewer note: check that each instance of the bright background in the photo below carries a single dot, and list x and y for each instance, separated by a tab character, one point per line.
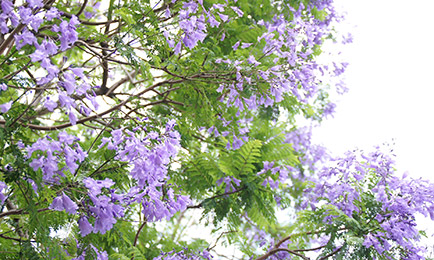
391	88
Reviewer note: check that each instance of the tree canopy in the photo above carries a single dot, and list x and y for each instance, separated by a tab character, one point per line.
123	124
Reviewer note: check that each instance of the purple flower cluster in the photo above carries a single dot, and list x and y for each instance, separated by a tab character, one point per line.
282	172
52	153
310	155
193	20
358	179
228	180
238	139
291	43
104	209
33	16
149	154
184	254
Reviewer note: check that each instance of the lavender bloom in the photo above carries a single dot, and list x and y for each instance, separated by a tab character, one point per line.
25	14
84	226
25	38
63	202
237	143
7	6
3	24
4	108
50	104
246	45
3	186
95	186
52	13
51	69
35	3
235	46
223	17
212	21
237	11
68	33
55	151
228	181
100	255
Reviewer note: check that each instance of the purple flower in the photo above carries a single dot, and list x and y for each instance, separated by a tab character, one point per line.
3	24
69	205
69	83
223	17
35	3
72	118
51	69
95	186
85	227
25	38
5	107
220	7
68	32
237	143
38	55
78	72
237	11
50	104
63	202
246	45
167	12
25	14
177	49
36	22
235	46
3	186
212	21
100	255
66	101
52	14
49	47
7	6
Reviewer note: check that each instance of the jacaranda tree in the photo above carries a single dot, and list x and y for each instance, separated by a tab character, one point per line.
120	120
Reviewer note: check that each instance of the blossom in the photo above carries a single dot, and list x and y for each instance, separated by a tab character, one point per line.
84	226
63	202
237	11
52	13
3	186
50	104
95	186
25	38
235	46
7	6
223	17
6	106
35	3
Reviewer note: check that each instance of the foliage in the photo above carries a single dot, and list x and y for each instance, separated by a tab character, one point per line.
122	120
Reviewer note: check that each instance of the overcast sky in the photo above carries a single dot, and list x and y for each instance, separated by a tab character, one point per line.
391	92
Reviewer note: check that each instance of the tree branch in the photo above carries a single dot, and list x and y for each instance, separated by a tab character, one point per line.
275	250
200	205
19	212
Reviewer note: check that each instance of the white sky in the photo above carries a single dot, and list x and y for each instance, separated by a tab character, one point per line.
391	90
